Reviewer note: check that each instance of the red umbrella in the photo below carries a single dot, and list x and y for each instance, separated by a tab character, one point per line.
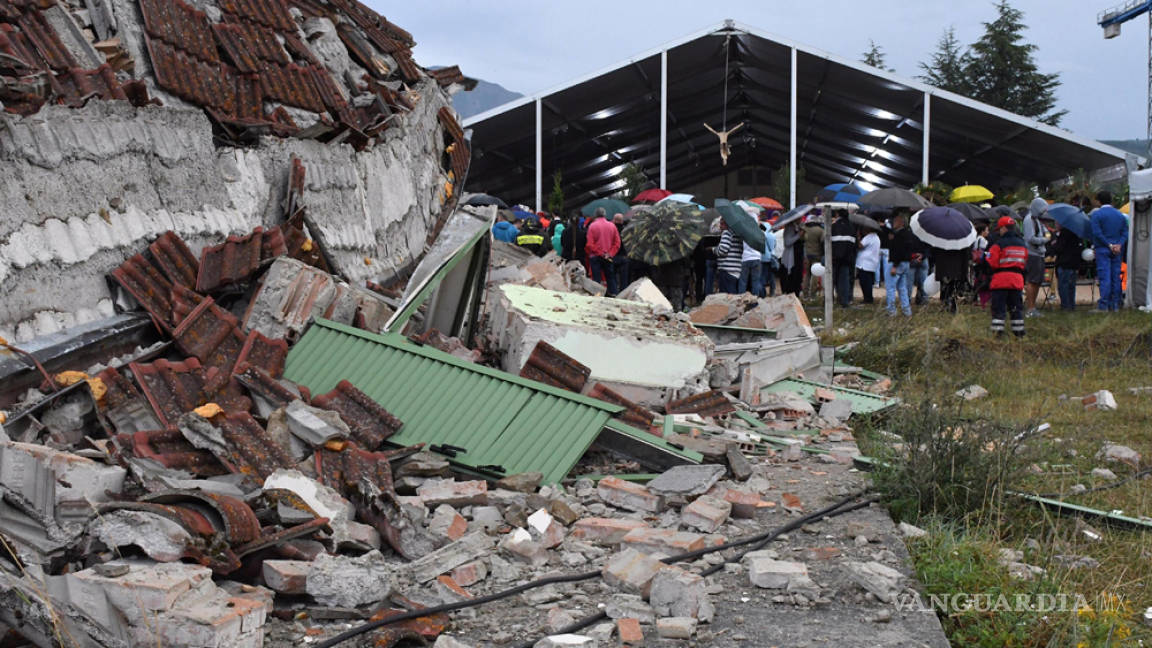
651	195
767	203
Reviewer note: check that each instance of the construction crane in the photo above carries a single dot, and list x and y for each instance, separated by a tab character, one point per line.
1111	20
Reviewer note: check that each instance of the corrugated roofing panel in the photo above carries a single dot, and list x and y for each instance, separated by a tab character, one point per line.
171	255
180	25
270	13
500	420
862	402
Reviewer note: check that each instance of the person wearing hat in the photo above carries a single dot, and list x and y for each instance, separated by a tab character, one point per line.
1008	258
532	239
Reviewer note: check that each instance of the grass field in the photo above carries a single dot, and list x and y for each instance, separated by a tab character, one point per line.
958	460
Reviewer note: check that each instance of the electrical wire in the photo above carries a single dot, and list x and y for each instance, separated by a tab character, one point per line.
760	540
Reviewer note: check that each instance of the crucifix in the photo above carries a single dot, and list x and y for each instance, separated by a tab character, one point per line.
725	150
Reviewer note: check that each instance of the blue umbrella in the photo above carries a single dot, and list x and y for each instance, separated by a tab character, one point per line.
1071	218
944	228
525	215
840	192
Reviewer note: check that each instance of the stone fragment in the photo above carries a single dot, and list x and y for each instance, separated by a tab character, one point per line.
972	392
626	495
606	531
566	641
738	464
466	549
343	581
686	481
563	512
706	513
486	518
632	571
911	531
629	632
1103	473
286	576
545	529
1119	453
665	541
423	464
453	493
676	627
675	592
314	426
879	579
447	641
447	524
522	482
559	618
622	605
523	547
470	573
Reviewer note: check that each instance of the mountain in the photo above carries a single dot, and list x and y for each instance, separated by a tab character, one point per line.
486	95
1136	146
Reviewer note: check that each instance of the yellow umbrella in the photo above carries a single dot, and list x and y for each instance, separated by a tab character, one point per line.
971	194
1127	208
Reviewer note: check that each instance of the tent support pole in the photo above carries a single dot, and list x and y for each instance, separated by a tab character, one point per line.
927	137
539	158
792	138
664	119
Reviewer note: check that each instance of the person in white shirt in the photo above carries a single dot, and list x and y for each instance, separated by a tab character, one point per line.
750	259
868	264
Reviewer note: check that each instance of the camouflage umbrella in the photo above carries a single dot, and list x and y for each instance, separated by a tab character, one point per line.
667	233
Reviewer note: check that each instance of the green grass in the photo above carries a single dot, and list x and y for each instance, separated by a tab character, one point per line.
934	354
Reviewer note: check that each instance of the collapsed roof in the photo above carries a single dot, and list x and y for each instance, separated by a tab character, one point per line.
852	122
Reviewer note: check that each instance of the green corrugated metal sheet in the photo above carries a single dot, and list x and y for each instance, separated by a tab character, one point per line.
501	419
862	402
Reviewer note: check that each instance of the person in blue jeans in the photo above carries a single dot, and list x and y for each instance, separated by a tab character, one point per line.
901	244
1109	235
1067	247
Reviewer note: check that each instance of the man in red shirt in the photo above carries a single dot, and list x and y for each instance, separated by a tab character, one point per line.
1008	258
603	244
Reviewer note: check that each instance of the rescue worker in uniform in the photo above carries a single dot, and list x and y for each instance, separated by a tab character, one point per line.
1008	258
844	243
532	239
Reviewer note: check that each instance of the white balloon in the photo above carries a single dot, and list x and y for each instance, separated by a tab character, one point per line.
817	269
1088	254
931	285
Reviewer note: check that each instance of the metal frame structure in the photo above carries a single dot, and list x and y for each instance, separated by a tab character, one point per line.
822	129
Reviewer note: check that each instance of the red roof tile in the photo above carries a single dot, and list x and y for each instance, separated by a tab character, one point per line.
249	45
247	448
709	403
263	352
181	26
551	366
212	335
172	388
260	383
370	423
291	85
147	286
43	38
170	449
210	85
633	414
460	155
184	301
233	261
118	389
270	13
171	255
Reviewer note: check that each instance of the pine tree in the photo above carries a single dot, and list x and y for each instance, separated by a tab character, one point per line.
1001	71
875	57
946	69
556	199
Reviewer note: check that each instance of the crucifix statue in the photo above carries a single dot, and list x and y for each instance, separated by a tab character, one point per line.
725	150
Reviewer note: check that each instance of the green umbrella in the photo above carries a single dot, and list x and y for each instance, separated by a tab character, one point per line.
741	224
611	207
667	233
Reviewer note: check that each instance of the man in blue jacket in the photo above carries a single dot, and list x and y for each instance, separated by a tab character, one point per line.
1109	234
503	230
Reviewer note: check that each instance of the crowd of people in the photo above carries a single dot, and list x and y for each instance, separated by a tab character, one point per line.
1004	268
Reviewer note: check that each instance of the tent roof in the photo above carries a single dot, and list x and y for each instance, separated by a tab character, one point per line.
854	122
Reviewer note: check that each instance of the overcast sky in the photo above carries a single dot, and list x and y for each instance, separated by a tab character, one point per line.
532	45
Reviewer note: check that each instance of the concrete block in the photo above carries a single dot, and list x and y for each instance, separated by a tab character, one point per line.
686	481
605	531
836	410
879	579
664	541
521	546
453	493
343	581
547	530
676	627
468	548
643	290
447	524
675	592
621	605
313	425
769	573
738	464
286	576
632	571
706	513
626	495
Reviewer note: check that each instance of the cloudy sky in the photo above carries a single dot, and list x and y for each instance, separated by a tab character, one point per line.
532	45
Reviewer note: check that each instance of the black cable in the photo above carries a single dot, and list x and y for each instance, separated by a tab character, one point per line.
762	538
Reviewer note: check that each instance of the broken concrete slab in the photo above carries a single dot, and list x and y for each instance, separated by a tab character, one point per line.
315	426
40	478
783	315
325	502
605	531
668	542
453	493
523	547
770	573
466	549
624	344
158	537
1119	453
343	581
706	513
676	627
632	571
286	576
686	481
838	410
879	579
643	290
447	524
679	593
621	605
566	641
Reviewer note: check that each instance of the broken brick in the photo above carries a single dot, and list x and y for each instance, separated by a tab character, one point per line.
626	495
607	531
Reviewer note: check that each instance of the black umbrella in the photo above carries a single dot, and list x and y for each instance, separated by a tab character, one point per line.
971	211
860	220
742	224
944	228
894	197
1002	210
793	215
484	199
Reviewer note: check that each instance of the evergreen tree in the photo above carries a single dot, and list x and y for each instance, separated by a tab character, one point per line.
1000	70
946	68
875	57
556	198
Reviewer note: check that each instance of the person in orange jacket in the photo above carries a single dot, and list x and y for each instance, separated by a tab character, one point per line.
1008	258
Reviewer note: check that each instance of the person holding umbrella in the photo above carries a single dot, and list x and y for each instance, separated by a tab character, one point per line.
844	242
900	246
1008	258
868	263
1067	248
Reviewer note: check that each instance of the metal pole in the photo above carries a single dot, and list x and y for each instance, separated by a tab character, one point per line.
828	281
664	119
539	158
927	137
792	147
